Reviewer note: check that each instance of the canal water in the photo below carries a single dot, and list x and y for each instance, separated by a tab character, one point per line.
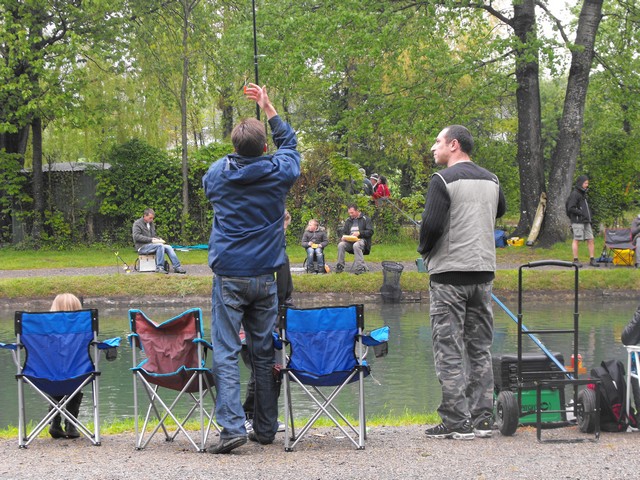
402	381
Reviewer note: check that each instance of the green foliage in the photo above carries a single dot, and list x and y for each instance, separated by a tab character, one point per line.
499	157
609	155
141	176
58	230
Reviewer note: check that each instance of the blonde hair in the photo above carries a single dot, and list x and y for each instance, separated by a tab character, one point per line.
65	302
313	221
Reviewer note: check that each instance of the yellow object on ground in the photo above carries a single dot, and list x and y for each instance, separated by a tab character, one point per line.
624	257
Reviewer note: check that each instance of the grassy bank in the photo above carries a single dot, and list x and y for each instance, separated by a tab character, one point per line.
174	286
126	426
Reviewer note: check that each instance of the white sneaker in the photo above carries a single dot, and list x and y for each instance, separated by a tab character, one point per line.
248	425
281	426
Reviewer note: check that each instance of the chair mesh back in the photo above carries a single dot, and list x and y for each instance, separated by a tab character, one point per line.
171	354
57	345
322	343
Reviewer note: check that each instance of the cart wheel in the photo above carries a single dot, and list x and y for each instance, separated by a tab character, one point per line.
136	266
586	410
507	413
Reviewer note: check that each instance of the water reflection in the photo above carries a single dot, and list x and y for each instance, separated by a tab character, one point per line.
405	378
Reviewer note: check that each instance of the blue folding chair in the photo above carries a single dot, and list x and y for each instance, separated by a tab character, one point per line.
326	347
57	354
174	359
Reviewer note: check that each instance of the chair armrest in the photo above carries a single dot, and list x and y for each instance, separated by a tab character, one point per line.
379	340
134	340
204	342
376	337
109	343
9	346
277	341
110	347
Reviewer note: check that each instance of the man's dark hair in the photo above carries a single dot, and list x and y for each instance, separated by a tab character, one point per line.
352	205
249	138
462	135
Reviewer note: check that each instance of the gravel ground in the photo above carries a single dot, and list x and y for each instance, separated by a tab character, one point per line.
391	452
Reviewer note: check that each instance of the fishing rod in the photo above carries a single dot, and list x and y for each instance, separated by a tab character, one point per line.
387	199
126	266
255	53
535	339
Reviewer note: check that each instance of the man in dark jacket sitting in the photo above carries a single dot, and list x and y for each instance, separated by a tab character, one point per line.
147	242
356	239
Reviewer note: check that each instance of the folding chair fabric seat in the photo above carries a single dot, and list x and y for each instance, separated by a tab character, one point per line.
619	242
61	355
174	359
325	347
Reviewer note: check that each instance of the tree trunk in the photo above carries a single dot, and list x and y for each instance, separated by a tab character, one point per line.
529	156
38	180
563	162
226	111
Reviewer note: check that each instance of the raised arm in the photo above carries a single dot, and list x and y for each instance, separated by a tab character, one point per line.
259	95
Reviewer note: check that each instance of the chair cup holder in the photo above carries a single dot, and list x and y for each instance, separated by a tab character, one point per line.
111	354
381	349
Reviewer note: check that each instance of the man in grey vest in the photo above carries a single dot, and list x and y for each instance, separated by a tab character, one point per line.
458	250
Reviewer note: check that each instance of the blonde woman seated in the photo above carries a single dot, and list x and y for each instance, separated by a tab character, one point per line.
314	239
66	302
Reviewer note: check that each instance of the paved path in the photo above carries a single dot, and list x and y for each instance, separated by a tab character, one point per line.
196	270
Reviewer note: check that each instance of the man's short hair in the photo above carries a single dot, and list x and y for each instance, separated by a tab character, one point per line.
148	211
352	205
462	135
249	138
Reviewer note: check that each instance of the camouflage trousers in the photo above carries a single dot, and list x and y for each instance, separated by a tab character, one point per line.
462	333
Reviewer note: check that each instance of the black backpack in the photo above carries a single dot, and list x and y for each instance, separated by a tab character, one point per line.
613	393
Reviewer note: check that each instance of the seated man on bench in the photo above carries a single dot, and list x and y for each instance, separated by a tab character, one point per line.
356	239
146	242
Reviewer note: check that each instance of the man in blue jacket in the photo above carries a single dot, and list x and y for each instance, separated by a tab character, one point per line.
247	190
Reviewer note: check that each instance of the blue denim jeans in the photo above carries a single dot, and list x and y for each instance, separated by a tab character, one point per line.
252	302
319	256
159	249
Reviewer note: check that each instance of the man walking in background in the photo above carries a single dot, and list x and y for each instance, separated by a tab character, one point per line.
458	249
